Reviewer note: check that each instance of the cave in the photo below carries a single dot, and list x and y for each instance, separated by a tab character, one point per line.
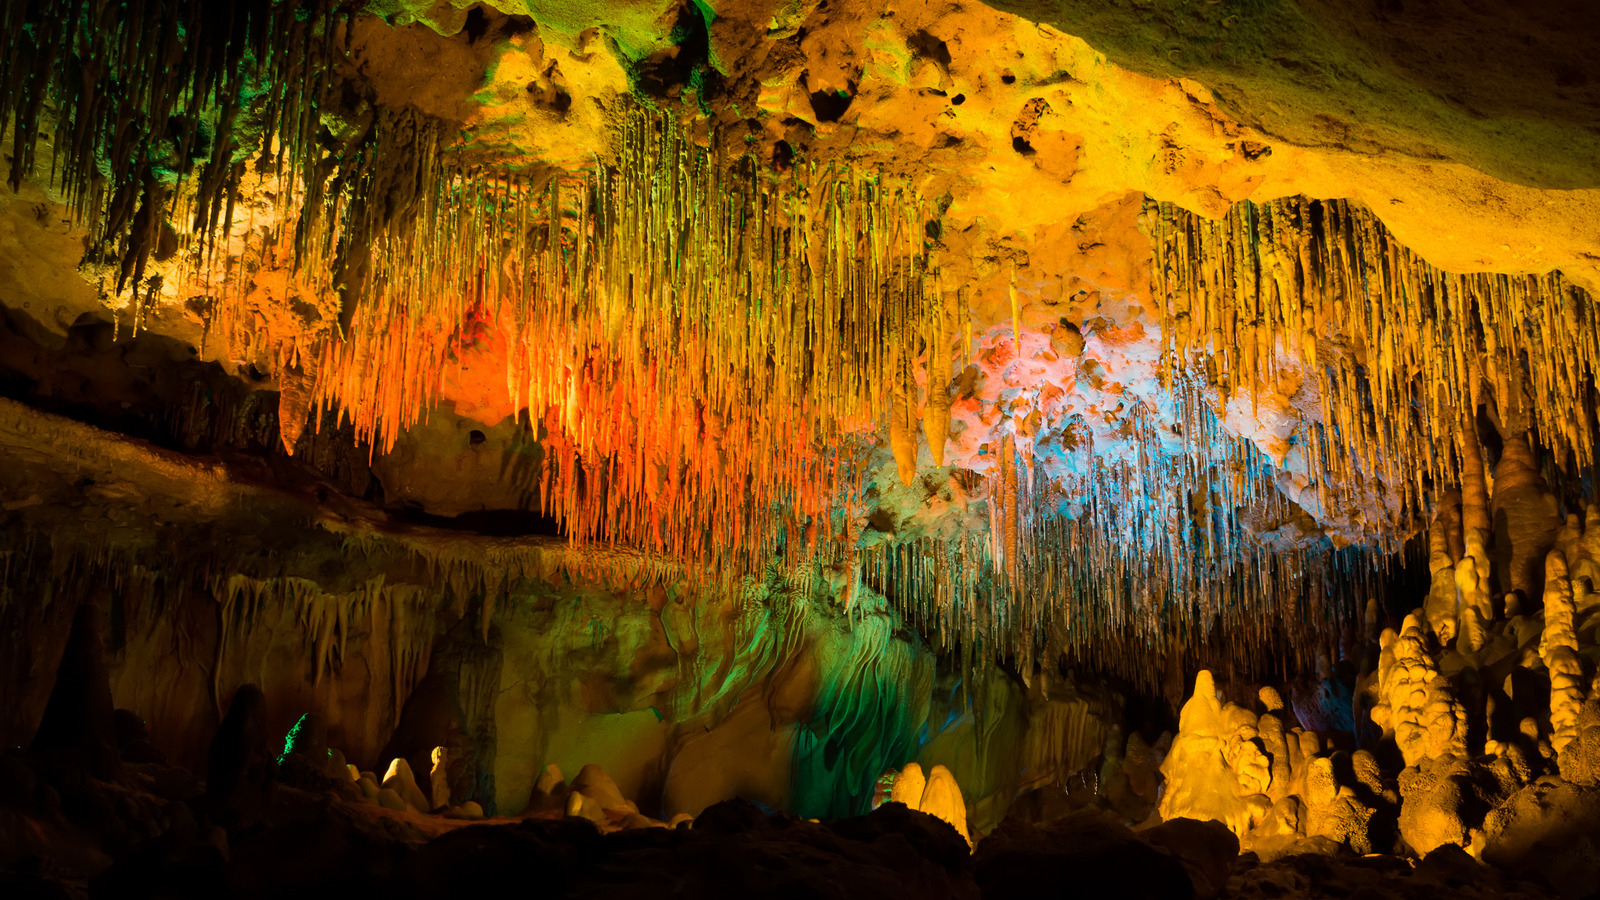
817	448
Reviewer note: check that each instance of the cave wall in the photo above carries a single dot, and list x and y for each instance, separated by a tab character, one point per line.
684	694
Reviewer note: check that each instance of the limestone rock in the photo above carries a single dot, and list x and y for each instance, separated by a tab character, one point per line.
1085	854
400	780
1549	832
1445	800
1213	770
439	778
389	798
593	782
909	786
1580	757
1208	851
942	798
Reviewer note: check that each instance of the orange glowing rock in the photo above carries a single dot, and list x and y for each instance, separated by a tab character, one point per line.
903	437
942	797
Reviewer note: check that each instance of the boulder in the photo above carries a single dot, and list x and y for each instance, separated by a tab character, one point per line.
1207	850
549	791
1580	758
1548	832
1445	800
400	780
599	787
1085	854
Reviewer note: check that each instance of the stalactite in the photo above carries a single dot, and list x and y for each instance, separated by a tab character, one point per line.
1415	345
903	436
135	93
936	416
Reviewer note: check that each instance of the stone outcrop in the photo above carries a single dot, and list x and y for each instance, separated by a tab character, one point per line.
1085	853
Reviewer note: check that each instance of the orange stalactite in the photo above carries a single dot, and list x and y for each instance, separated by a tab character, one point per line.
704	379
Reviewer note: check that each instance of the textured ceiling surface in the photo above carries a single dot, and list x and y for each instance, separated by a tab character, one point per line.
1072	324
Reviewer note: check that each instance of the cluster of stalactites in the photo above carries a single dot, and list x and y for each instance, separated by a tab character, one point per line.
706	352
1394	347
1155	558
151	109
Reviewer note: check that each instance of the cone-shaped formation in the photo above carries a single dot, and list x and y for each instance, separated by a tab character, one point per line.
79	726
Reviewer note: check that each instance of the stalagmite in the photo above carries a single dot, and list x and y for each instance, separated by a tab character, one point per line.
1441	607
908	786
389	798
593	782
942	798
77	728
1475	608
1413	707
400	780
1559	650
1526	519
439	780
240	761
1202	782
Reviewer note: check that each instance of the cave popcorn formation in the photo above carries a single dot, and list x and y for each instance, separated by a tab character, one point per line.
820	430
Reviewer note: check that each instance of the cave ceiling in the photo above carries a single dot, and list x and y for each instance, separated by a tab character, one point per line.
1060	323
